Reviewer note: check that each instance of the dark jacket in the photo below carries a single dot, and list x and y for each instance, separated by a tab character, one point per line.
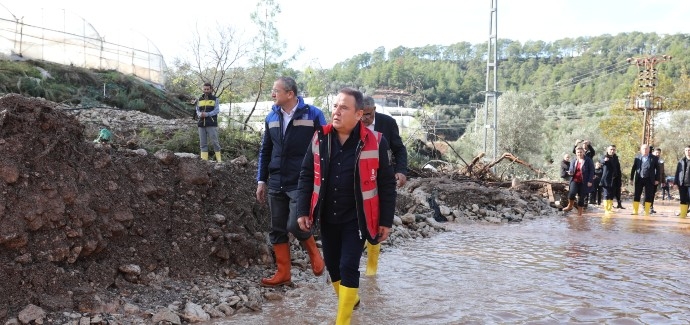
589	152
385	179
682	177
611	171
596	181
389	128
280	156
565	166
207	104
587	169
648	169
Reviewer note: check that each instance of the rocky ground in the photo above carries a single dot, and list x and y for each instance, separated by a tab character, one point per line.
94	234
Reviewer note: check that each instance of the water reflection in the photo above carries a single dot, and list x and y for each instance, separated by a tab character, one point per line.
581	270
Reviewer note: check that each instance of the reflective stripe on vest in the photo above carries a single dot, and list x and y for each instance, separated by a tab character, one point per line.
368	163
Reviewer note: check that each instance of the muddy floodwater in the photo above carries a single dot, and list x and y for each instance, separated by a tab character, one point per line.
621	269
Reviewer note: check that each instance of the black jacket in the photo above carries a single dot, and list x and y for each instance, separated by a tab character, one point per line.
565	166
207	104
611	171
682	177
385	179
648	169
389	128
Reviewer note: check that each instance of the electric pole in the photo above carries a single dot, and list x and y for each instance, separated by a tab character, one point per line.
491	93
646	100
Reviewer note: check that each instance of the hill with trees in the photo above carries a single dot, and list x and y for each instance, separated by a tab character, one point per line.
551	93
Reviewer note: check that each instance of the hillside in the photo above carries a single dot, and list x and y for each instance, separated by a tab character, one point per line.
87	88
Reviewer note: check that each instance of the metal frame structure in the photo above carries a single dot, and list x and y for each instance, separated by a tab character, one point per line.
491	93
645	98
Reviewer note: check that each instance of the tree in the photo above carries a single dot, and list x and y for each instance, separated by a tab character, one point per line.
215	56
267	61
315	85
519	123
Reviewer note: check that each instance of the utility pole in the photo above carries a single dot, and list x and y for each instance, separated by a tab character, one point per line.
491	93
646	100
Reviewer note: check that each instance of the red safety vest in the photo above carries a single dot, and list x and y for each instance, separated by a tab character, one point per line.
368	162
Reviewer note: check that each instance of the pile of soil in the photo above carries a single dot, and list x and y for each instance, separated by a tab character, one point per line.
84	224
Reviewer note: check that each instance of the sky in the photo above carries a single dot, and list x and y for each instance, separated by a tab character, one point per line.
332	31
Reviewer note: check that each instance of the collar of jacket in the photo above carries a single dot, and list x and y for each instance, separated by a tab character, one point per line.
362	129
300	106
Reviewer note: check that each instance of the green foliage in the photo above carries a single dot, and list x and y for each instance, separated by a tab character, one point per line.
672	137
234	142
623	128
136	104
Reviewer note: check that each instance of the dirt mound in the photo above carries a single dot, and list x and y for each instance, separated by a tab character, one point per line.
82	223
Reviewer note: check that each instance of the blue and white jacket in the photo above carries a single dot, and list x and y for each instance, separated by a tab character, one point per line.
281	156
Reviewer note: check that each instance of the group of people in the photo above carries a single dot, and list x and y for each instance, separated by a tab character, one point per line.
336	178
647	173
588	180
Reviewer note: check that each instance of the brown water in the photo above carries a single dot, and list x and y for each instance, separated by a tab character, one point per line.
621	269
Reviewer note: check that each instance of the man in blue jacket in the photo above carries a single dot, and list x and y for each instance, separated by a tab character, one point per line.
288	129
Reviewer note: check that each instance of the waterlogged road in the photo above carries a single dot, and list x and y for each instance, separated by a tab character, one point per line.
621	269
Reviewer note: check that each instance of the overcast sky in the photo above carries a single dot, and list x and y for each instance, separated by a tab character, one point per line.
332	31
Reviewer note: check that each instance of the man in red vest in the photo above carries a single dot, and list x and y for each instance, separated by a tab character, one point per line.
347	184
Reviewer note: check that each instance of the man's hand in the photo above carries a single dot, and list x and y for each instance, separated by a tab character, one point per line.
261	192
203	114
383	233
304	223
577	141
400	179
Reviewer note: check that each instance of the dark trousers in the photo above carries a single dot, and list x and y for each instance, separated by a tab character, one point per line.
342	249
609	193
579	190
595	195
646	184
283	206
617	189
684	195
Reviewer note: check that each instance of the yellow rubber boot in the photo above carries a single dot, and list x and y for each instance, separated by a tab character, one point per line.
606	207
683	210
610	206
647	208
636	207
373	252
336	288
347	297
218	157
204	155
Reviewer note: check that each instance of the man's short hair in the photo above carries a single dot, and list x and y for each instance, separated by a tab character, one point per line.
289	84
359	98
369	102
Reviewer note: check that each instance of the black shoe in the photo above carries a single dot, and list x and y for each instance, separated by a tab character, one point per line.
620	206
